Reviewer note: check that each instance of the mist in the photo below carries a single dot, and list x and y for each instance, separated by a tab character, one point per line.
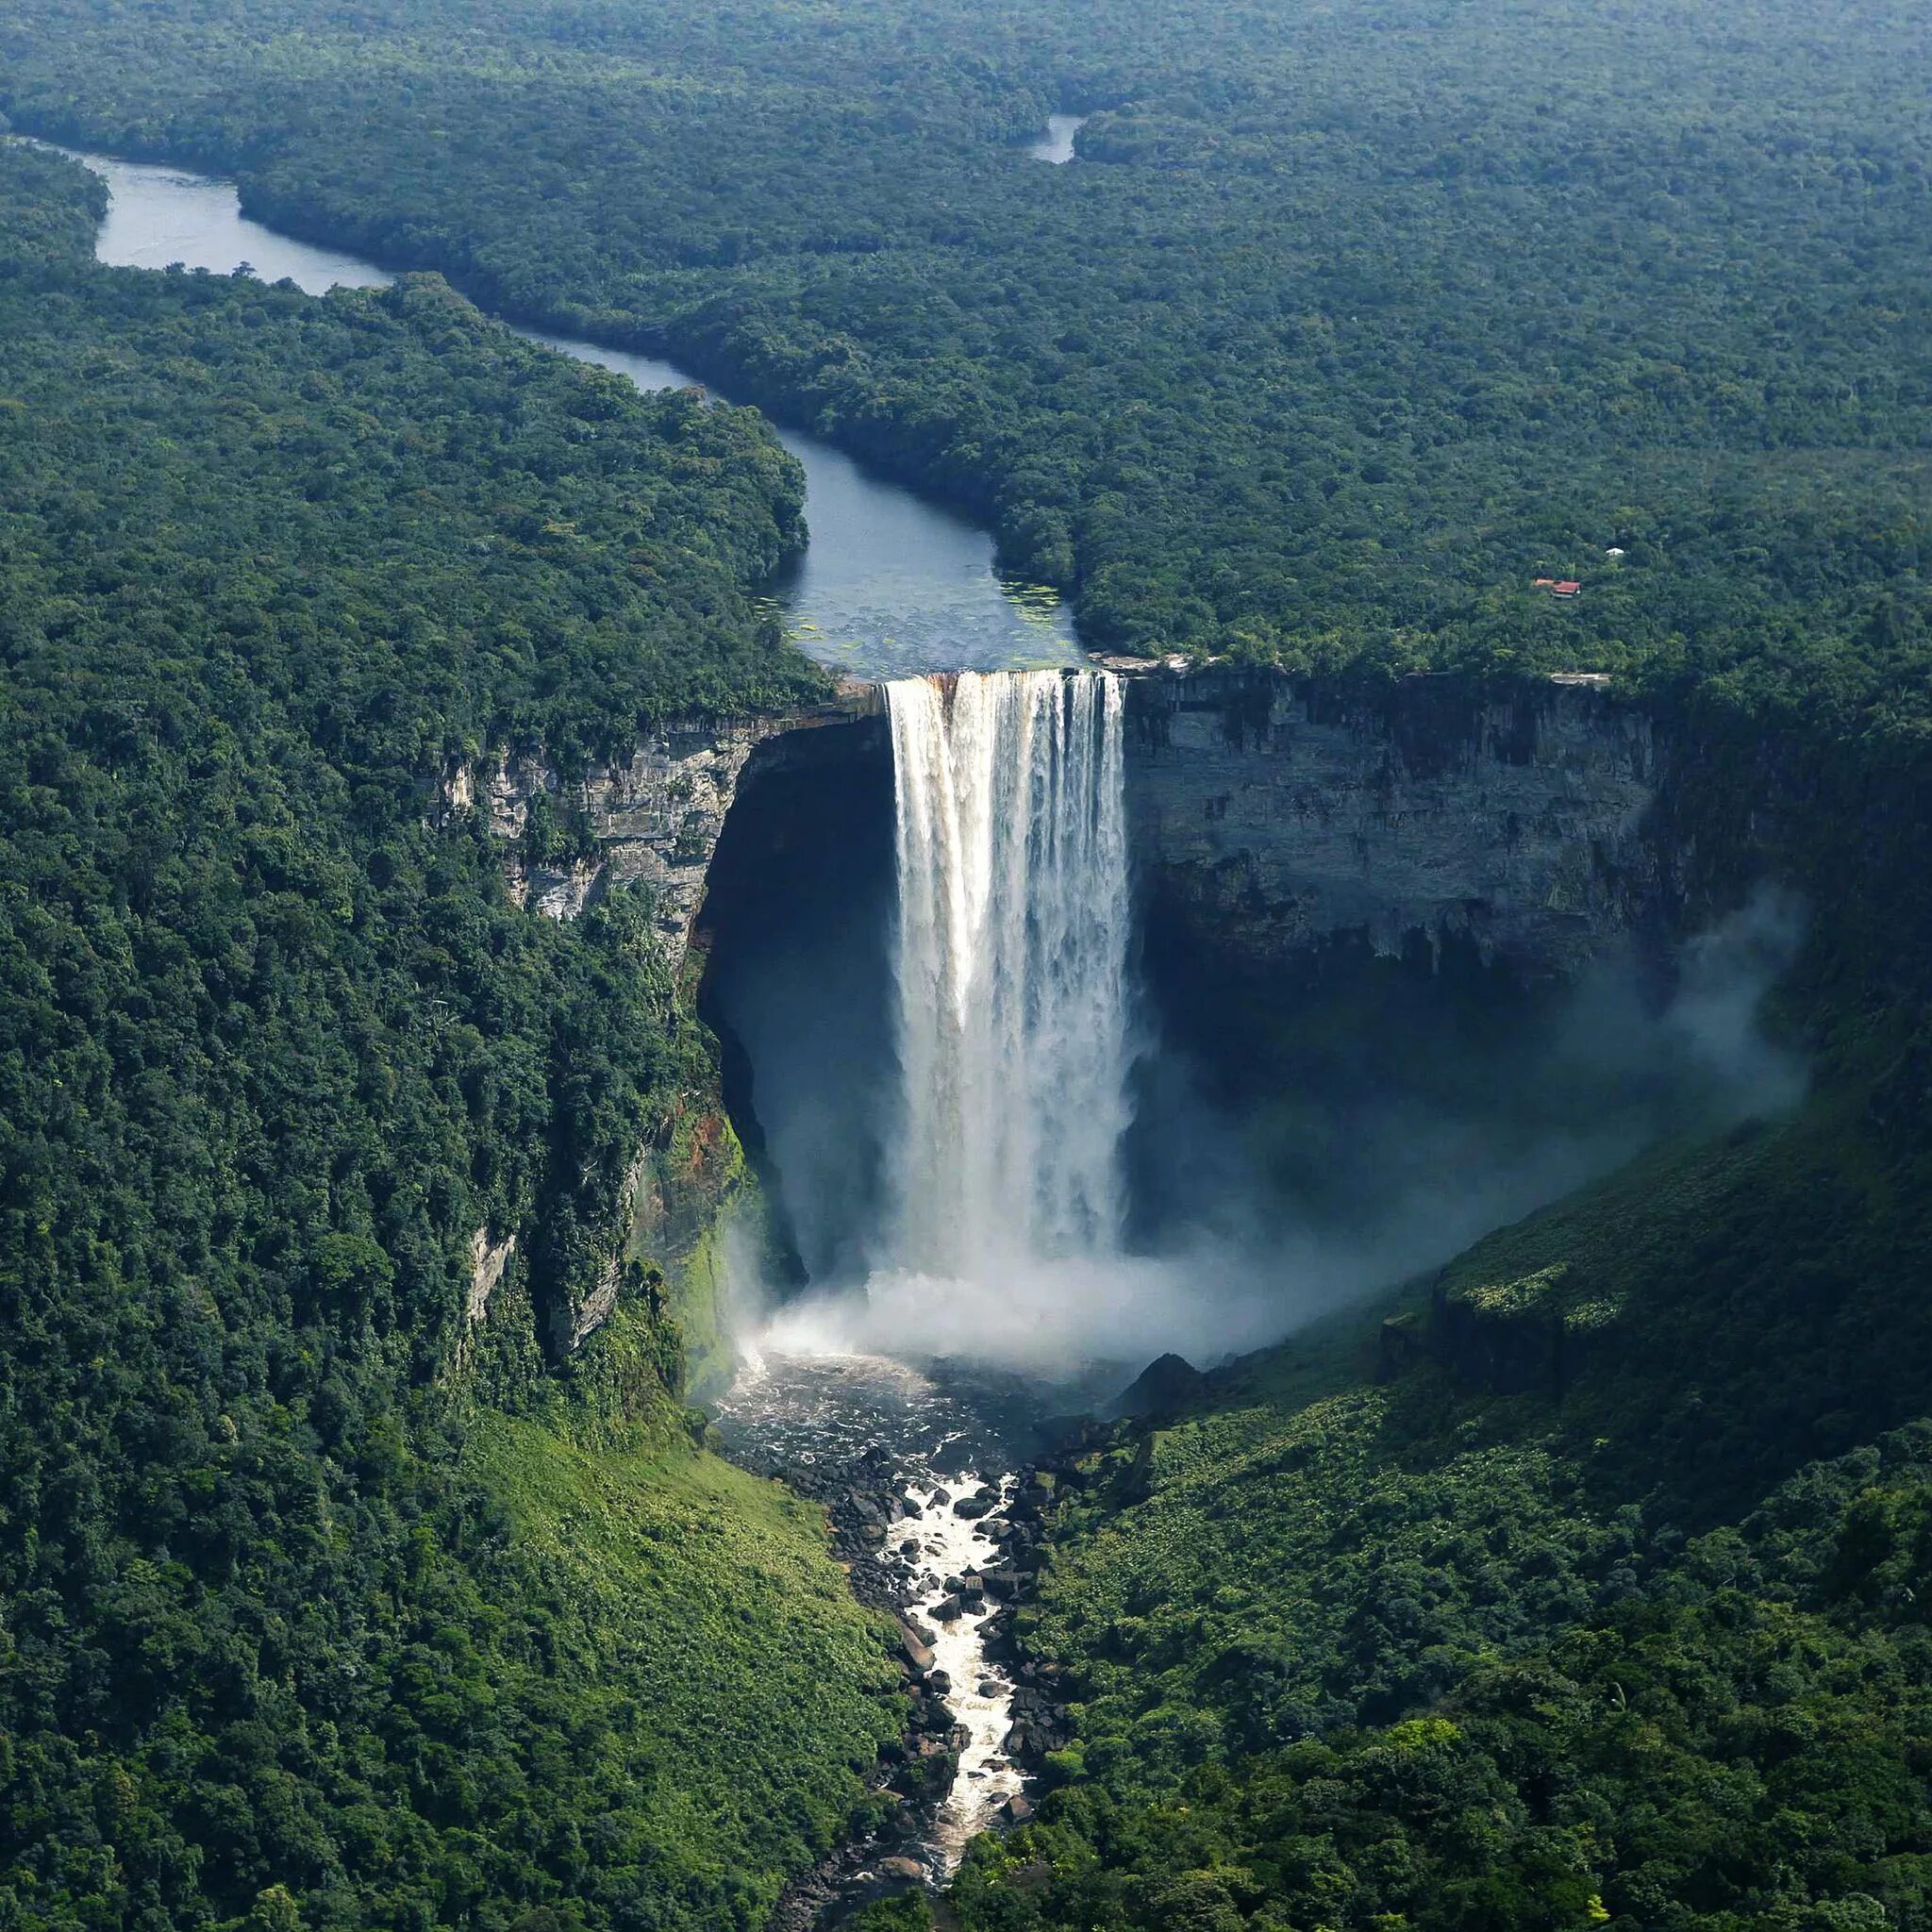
1256	1215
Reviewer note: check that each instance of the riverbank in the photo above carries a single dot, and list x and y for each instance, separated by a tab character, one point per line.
891	582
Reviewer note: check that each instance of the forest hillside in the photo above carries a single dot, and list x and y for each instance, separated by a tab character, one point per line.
323	1603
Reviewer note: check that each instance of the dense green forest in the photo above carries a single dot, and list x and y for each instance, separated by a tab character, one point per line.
317	1605
1407	1628
1349	322
1593	1591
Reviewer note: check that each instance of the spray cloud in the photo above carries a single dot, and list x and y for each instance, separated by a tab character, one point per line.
999	1230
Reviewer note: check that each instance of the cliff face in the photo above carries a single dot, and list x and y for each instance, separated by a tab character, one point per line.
1276	813
654	820
1280	811
1267	817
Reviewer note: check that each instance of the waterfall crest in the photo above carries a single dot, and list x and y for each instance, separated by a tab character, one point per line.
1010	970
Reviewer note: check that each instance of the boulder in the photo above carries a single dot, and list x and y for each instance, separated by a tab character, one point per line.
1164	1387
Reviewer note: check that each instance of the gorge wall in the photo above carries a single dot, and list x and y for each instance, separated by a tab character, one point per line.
1272	814
1271	823
1278	811
653	820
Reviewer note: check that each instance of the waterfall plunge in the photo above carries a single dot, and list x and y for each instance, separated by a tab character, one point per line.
1002	1236
1011	969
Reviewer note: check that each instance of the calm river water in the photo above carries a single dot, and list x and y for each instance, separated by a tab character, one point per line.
889	583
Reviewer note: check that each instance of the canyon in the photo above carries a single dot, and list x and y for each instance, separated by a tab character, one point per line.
1274	812
1276	830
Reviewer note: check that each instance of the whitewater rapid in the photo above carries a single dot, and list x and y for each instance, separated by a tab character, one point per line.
981	1696
854	1429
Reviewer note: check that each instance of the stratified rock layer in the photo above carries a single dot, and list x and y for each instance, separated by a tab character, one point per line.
653	820
1277	813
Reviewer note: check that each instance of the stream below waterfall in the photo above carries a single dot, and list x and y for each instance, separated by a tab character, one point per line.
929	1476
921	1470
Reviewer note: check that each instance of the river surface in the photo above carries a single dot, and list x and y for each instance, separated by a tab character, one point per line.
1055	145
890	585
920	1468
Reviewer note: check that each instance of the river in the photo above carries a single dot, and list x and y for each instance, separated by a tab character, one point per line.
896	1453
890	585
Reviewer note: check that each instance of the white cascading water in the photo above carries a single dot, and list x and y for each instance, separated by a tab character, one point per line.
1012	956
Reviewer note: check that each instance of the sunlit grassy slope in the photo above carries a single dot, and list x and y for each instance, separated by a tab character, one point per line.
727	1659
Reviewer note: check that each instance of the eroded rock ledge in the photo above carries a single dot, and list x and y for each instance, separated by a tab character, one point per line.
654	820
1277	812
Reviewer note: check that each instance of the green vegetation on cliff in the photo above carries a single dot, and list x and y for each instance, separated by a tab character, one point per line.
318	1604
1349	322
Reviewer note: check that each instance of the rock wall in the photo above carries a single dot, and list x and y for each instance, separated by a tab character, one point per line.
1279	812
1266	816
487	1265
654	820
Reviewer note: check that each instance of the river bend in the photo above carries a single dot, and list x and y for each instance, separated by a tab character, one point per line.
889	584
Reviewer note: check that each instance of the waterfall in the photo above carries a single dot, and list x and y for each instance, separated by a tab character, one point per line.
1011	969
